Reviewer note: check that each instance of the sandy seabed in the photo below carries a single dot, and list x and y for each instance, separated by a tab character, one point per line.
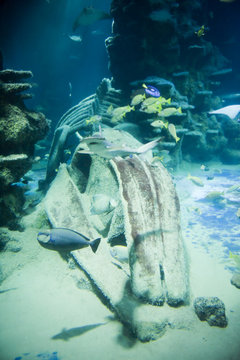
44	300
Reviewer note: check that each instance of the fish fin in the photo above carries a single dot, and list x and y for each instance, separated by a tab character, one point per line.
94	244
148	146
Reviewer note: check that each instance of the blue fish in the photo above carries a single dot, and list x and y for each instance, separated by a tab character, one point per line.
151	90
61	239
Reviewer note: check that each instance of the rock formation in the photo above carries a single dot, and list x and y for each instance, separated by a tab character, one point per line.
20	129
147	293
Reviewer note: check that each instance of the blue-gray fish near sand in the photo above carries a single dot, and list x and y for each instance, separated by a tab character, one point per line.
62	239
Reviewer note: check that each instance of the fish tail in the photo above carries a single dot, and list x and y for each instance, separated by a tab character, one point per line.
94	244
179	110
177	139
148	146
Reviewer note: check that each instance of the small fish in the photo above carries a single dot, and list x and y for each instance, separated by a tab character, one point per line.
170	111
150	101
67	334
88	16
67	152
204	167
70	89
93	120
76	38
152	109
102	203
61	239
172	131
234	188
110	109
200	32
151	90
214	195
238	213
159	123
137	99
120	253
236	259
157	159
120	112
231	111
195	180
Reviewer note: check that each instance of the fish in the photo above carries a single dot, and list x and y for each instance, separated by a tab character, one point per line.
137	99
120	112
170	111
88	16
98	145
110	109
236	259
120	253
231	111
152	109
201	31
238	213
62	239
159	123
102	203
67	334
195	180
204	167
70	89
93	120
215	195
172	131
76	38
150	101
151	90
233	188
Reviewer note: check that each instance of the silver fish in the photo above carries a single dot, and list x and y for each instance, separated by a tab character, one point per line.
98	145
76	38
61	239
102	203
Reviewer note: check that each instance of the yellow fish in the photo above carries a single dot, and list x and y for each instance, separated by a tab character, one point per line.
200	31
236	259
170	111
159	123
195	180
138	99
93	119
110	109
120	112
172	131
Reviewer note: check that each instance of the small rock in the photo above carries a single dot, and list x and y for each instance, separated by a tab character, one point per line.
235	280
212	310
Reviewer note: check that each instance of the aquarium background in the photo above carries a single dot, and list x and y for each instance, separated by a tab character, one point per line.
50	312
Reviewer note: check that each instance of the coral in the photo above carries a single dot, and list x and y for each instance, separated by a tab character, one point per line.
20	129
